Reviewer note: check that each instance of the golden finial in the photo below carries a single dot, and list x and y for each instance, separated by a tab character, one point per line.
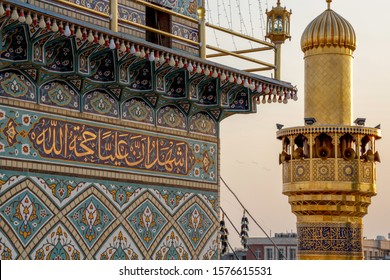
329	1
278	3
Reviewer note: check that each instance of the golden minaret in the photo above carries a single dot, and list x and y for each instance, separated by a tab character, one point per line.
328	164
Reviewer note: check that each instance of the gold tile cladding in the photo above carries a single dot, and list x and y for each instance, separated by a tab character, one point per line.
328	87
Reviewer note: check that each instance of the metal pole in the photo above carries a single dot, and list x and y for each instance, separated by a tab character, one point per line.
278	60
114	15
202	32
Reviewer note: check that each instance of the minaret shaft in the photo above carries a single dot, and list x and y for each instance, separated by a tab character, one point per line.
328	86
329	169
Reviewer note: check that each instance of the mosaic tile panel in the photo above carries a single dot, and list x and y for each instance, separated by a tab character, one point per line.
101	103
58	244
348	171
59	56
16	85
14	44
172	117
175	85
26	214
131	14
156	222
8	180
102	6
202	123
185	7
210	251
91	218
185	32
41	137
119	246
137	110
240	101
323	170
330	238
172	199
147	221
61	190
301	170
211	200
141	77
286	172
103	67
208	94
7	249
172	248
59	94
195	224
367	172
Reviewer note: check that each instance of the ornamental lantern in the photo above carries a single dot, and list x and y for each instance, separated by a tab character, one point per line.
278	30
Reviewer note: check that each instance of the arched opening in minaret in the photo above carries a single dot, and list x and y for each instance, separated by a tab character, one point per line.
285	155
347	149
301	147
323	147
367	150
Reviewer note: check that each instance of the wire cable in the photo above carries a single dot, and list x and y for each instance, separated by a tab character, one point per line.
250	215
236	230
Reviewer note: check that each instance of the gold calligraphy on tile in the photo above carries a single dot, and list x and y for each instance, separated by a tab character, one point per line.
79	142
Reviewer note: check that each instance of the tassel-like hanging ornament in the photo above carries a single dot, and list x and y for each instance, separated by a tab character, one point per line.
22	17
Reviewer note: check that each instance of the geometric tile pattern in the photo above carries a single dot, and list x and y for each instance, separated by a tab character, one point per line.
172	199
323	170
348	171
335	105
301	171
147	221
129	13
119	246
172	247
210	251
91	218
7	249
367	172
195	224
26	214
98	5
286	172
58	244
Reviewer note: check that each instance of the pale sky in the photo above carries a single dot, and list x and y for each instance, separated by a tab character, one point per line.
249	148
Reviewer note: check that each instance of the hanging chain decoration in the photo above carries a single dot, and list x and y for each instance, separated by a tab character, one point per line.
244	231
223	236
262	20
229	21
242	22
250	18
210	19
